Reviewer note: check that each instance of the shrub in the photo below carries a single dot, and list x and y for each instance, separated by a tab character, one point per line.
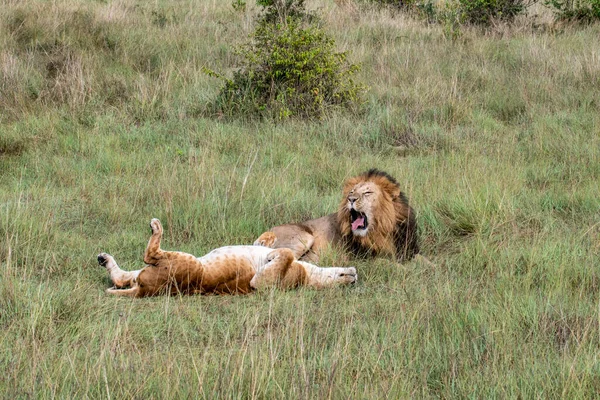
239	5
576	10
289	70
483	12
475	12
278	11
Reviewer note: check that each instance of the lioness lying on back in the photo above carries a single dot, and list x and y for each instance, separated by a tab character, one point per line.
232	269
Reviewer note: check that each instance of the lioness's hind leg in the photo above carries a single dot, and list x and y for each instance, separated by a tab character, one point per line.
119	277
153	252
273	272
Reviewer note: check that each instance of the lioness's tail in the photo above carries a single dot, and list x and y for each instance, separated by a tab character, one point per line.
131	292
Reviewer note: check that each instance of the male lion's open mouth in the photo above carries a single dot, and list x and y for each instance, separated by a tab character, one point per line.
358	220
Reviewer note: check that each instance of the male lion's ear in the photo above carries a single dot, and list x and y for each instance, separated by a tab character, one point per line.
391	188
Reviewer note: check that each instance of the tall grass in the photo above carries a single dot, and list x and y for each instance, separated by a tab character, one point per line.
493	136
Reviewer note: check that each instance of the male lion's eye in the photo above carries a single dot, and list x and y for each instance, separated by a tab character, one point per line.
368	193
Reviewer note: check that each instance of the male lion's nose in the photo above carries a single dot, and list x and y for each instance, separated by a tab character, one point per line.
351	199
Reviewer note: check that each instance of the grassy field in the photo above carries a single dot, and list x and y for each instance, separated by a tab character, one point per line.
102	127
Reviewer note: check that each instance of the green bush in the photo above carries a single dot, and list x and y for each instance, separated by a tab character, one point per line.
474	12
576	10
289	70
484	12
278	11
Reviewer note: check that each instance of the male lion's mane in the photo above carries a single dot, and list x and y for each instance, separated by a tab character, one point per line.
395	221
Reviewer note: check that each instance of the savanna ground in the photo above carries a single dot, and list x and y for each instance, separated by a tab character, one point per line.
102	128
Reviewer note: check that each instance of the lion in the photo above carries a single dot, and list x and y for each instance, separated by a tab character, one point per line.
373	218
230	269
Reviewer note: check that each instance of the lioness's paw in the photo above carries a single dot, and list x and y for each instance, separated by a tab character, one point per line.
267	239
156	226
283	255
104	259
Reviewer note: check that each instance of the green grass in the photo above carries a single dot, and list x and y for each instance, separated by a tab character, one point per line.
102	128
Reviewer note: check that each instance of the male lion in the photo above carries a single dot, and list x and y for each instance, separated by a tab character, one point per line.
232	269
373	218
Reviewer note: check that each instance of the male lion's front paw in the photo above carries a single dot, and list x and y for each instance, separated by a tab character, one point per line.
267	239
156	226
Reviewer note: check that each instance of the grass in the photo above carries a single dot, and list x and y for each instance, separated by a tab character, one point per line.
102	128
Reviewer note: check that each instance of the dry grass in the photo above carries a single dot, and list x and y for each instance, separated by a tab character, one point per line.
101	129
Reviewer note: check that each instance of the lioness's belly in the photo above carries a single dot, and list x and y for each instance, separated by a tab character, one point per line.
256	255
230	269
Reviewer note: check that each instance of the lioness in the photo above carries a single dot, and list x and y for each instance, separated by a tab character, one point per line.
231	269
373	218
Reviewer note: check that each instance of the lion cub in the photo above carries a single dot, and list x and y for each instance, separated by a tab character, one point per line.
231	269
